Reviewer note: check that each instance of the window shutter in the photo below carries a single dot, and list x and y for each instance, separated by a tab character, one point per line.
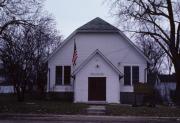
58	75
67	75
135	74
127	75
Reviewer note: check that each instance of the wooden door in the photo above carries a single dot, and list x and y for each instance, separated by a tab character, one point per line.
97	88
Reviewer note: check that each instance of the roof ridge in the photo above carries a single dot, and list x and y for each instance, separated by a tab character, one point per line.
99	25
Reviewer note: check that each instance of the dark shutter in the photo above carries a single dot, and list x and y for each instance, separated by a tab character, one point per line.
127	75
67	75
135	74
58	75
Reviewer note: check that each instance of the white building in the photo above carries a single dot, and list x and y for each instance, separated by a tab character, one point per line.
108	64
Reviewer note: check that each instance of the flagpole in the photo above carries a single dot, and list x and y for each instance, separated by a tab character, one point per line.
73	84
73	68
73	77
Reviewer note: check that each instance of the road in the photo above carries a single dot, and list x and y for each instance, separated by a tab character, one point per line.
86	119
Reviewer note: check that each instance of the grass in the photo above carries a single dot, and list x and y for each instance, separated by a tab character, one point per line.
9	104
158	111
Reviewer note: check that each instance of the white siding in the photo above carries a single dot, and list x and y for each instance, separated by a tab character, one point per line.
104	70
112	45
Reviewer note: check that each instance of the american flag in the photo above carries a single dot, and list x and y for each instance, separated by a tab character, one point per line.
75	55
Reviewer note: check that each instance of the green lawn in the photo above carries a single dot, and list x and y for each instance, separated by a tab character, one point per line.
9	104
159	111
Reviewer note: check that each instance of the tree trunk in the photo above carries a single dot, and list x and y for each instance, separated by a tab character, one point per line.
177	73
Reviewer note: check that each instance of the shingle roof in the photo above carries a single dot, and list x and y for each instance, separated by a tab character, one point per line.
98	25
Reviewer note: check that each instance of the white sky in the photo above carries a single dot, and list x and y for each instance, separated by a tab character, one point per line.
71	14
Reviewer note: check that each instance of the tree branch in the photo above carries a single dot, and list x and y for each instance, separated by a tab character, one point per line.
178	37
164	48
13	22
171	22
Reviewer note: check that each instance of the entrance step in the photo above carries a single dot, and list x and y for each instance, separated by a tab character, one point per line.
96	110
97	103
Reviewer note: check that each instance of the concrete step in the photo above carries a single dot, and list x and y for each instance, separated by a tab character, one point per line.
97	102
96	110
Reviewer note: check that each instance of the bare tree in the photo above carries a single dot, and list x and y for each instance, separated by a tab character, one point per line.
153	51
24	50
14	14
44	38
158	20
17	12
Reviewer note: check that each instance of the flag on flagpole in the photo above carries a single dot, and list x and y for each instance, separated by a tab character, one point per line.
75	55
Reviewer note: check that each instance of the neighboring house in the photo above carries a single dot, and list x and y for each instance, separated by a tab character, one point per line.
5	86
166	86
108	64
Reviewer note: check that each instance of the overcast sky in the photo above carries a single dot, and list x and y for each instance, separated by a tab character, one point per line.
71	14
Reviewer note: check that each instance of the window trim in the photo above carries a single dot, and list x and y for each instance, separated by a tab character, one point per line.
131	66
62	84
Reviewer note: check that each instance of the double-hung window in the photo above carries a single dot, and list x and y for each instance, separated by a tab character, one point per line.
131	75
63	75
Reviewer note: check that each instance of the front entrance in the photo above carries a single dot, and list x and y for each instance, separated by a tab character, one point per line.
97	88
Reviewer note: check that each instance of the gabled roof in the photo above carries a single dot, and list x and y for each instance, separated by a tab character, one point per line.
98	25
102	56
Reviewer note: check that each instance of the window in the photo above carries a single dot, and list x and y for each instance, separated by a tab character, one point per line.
127	75
131	75
135	74
67	75
59	75
63	75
